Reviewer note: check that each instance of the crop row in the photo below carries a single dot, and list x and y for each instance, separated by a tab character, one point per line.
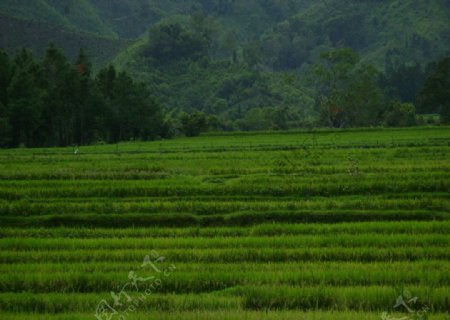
284	242
235	219
290	186
371	298
376	137
303	158
36	169
379	228
360	254
212	205
221	277
372	269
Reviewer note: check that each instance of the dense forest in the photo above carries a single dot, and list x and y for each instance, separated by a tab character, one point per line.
53	102
182	67
56	103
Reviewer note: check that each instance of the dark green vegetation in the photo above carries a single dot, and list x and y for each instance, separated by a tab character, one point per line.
16	34
251	65
57	103
436	90
290	225
289	31
281	77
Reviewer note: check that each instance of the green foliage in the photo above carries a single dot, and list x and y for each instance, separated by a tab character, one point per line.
248	80
349	95
37	35
169	43
218	87
25	100
5	77
290	32
435	95
403	82
55	103
192	125
241	70
5	127
226	57
401	115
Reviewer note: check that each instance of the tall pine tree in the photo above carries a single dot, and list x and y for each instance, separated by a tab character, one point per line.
25	100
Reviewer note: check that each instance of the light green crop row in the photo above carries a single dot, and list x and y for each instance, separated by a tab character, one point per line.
360	254
214	277
363	138
393	242
380	228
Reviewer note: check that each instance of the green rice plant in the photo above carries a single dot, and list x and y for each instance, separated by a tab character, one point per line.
324	224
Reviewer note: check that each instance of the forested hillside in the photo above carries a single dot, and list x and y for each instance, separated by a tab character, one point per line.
257	71
16	33
289	32
256	64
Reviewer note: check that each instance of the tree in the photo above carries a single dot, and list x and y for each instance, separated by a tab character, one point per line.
56	103
105	81
401	115
168	43
252	54
25	101
132	113
207	28
84	108
347	92
255	119
140	116
402	82
435	94
229	46
5	79
105	84
60	99
192	125
5	127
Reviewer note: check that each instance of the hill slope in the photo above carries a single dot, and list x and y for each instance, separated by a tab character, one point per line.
258	59
258	51
289	32
16	33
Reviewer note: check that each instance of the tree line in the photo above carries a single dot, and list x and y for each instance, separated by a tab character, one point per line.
353	94
54	102
239	92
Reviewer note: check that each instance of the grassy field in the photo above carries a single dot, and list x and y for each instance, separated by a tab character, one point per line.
298	225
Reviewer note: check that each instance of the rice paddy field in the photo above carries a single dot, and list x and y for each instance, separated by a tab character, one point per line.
347	224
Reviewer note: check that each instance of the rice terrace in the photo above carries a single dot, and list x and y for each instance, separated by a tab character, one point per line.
318	224
224	160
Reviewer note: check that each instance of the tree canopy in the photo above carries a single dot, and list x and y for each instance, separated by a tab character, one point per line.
58	103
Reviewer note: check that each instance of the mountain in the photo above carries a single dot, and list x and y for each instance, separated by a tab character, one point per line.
16	33
290	32
414	30
232	58
260	52
103	28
